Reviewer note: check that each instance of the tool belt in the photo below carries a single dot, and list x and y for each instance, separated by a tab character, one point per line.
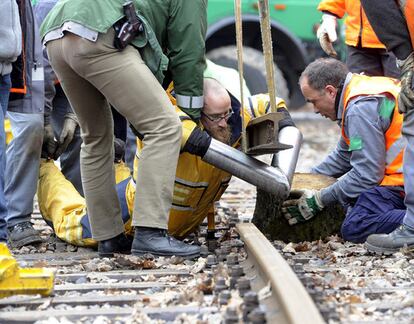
128	27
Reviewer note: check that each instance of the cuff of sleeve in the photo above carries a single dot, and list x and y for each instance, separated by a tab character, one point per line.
191	102
326	12
327	197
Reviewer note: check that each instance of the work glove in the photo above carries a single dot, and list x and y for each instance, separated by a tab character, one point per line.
66	136
326	34
302	209
406	97
49	142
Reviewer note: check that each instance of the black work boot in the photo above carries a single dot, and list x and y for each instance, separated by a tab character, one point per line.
23	234
402	236
157	242
117	244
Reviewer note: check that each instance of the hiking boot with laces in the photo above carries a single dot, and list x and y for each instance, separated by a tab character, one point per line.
23	234
157	242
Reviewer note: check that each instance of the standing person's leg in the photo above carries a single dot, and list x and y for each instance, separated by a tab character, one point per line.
96	157
403	235
378	210
364	60
5	85
389	65
22	173
125	80
134	91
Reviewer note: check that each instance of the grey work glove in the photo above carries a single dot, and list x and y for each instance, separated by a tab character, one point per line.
49	142
406	97
300	210
66	136
326	34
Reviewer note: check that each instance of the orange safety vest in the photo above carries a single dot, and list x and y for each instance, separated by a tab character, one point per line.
357	24
394	142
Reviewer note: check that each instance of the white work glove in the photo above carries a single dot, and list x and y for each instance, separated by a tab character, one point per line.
66	136
326	34
300	210
406	97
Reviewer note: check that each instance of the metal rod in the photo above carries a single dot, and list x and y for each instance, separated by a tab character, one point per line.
249	169
239	42
267	51
286	160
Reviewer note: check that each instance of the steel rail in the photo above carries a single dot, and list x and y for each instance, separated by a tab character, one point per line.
294	301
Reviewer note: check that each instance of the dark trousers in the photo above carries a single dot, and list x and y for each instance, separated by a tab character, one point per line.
372	61
378	210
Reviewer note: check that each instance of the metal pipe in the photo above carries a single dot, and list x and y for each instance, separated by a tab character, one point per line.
286	160
255	172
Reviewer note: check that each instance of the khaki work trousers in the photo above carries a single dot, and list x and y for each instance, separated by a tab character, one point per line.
93	74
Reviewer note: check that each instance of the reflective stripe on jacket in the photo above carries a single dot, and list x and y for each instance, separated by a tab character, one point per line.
357	24
394	142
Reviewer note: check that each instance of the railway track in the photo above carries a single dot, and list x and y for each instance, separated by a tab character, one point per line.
350	285
346	284
244	280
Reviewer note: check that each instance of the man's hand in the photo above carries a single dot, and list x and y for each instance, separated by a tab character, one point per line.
66	136
49	143
304	208
406	97
326	34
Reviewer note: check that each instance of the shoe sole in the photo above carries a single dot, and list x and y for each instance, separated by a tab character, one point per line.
105	255
142	253
384	251
112	254
25	241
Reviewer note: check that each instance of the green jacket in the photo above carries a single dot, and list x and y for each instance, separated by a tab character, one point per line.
174	37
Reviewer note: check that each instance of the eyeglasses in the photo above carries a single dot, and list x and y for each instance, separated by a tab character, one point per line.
218	118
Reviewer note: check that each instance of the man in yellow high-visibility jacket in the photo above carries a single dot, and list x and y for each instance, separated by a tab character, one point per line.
197	184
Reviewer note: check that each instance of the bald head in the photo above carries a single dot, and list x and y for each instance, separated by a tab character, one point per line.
216	97
217	104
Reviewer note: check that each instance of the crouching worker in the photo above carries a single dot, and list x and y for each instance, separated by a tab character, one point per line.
369	153
197	184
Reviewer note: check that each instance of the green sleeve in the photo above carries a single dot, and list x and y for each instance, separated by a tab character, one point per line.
186	46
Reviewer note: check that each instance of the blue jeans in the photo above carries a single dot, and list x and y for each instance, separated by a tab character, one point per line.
23	162
5	85
379	210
